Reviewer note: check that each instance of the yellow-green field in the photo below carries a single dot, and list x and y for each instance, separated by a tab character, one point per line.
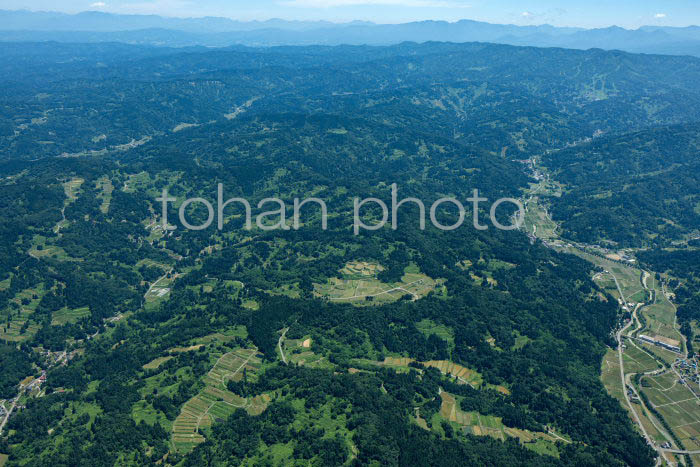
104	184
160	289
537	220
486	425
610	374
215	403
661	315
636	359
298	352
359	285
679	406
66	315
27	301
628	277
72	187
155	363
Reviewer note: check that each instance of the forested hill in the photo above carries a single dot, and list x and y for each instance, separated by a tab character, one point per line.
69	100
528	322
639	189
393	347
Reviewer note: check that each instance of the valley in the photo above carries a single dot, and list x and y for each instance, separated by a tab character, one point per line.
642	373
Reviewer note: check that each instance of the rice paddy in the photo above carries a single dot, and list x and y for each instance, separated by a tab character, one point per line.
215	403
359	285
487	425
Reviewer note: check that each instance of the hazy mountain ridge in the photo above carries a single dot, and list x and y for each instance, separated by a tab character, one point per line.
220	32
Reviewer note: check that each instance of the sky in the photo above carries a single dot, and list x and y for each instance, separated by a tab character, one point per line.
588	13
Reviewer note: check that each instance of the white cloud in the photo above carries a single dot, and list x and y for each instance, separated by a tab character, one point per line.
98	5
526	14
660	15
404	3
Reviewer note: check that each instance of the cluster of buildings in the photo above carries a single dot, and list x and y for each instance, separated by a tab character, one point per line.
632	395
688	370
57	358
664	342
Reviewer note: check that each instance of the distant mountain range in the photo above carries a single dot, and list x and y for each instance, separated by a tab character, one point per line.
218	32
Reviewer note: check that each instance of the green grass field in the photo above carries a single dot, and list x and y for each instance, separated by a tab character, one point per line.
66	315
105	185
610	374
636	359
661	316
428	327
13	320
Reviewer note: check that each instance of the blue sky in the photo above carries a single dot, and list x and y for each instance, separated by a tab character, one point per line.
589	13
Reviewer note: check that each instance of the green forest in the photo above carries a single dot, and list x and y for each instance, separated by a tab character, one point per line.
240	346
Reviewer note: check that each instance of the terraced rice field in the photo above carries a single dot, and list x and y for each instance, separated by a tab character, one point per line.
231	366
105	185
463	374
214	403
361	268
72	187
18	318
153	364
359	284
485	425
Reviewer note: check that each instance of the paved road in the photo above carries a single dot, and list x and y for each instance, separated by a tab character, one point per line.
622	376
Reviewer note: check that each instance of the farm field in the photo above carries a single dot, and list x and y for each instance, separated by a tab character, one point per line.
462	374
104	184
359	285
154	364
215	403
677	404
610	374
628	277
486	425
66	315
537	221
72	187
298	352
160	288
661	315
15	323
636	359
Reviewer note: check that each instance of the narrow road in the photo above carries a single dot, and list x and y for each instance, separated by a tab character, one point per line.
622	377
156	283
619	337
9	412
279	344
